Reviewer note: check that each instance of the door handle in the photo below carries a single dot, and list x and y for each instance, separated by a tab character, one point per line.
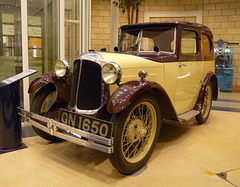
180	65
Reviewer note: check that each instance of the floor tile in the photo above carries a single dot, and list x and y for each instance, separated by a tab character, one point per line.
234	177
185	155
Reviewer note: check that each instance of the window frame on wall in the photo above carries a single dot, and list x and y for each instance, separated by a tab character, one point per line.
177	14
174	14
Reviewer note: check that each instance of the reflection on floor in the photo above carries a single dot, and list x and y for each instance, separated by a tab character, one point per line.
185	155
227	101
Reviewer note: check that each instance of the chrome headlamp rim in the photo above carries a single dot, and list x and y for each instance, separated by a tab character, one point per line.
118	70
66	66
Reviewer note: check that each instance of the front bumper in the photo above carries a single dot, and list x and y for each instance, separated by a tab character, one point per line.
68	133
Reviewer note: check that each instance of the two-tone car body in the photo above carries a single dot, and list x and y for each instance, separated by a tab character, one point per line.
115	102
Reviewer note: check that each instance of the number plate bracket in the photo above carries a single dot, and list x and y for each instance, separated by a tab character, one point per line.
86	123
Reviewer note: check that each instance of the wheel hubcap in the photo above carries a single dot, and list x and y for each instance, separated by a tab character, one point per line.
135	130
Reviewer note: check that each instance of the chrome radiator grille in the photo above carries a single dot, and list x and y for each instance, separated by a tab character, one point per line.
86	90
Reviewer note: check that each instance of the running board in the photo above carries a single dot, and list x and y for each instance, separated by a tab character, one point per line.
188	115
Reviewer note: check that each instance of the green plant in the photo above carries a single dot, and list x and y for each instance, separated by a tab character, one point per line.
129	6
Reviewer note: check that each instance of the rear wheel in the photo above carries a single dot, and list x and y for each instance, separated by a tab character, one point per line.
135	134
207	104
41	103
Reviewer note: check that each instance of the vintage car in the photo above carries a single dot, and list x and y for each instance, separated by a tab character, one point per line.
115	102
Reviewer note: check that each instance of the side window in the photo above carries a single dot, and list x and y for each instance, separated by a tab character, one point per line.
205	45
189	42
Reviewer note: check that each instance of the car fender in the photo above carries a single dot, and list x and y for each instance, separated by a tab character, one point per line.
210	77
129	91
63	86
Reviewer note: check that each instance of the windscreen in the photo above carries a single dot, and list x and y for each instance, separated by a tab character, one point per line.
146	39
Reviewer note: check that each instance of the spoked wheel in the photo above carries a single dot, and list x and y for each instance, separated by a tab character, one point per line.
135	134
139	132
41	103
48	102
207	104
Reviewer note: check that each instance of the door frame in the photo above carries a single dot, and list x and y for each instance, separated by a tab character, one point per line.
85	33
174	14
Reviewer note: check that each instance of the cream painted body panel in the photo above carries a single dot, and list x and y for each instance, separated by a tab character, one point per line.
182	84
188	80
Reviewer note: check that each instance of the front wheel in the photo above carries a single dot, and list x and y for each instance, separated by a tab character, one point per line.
135	134
207	104
42	101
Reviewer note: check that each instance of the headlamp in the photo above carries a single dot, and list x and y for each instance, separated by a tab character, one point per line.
61	68
111	73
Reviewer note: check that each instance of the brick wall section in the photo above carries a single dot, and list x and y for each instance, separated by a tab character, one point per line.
100	25
221	16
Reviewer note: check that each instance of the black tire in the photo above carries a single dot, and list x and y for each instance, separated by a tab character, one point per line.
37	102
204	113
118	158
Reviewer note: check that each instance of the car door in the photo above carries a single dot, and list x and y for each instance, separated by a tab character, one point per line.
189	68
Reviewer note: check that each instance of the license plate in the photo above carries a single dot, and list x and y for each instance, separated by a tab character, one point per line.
86	123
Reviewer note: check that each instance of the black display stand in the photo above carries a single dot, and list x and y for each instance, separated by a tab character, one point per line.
10	122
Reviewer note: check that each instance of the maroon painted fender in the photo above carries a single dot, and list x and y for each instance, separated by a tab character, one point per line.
128	92
63	86
210	77
42	80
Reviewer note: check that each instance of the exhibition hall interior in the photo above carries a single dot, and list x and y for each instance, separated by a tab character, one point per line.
119	93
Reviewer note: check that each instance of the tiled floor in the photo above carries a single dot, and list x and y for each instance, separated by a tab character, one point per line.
227	101
185	155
